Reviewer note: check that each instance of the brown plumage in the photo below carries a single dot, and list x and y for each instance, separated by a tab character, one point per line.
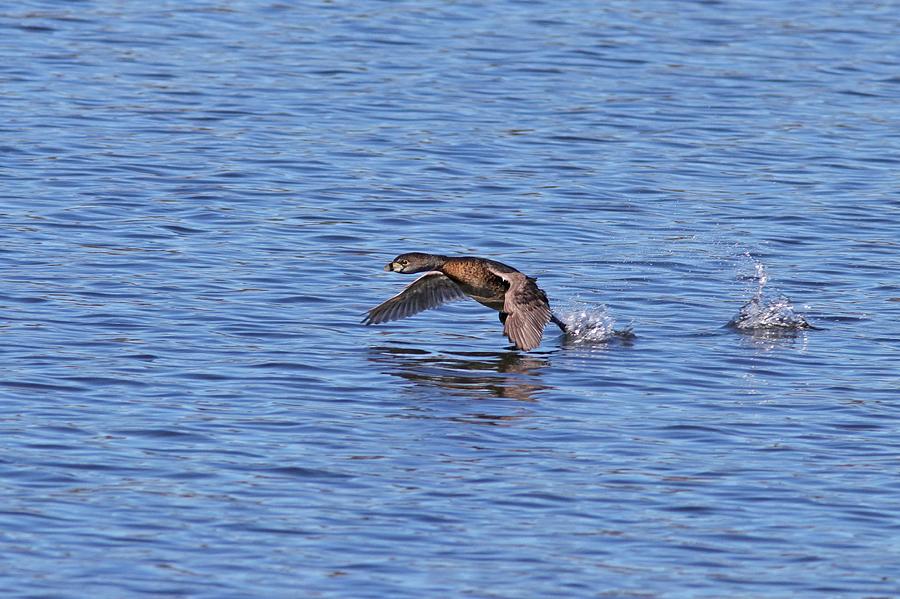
523	306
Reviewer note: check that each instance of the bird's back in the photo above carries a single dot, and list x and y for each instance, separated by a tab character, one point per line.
474	277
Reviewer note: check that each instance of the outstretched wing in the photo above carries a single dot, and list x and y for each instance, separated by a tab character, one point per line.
528	309
428	291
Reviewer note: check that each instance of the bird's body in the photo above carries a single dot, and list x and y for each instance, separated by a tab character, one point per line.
523	306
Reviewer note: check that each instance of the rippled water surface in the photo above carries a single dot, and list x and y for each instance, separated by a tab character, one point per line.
197	200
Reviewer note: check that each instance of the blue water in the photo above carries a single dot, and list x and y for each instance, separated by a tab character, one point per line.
196	202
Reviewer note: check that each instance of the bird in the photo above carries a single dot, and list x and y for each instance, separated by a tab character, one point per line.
523	306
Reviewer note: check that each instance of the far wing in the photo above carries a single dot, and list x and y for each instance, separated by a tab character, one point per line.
428	291
528	309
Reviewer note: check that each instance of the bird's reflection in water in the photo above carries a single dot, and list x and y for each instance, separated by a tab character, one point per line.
475	375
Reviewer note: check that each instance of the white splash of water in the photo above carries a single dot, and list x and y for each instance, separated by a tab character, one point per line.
761	314
762	277
590	324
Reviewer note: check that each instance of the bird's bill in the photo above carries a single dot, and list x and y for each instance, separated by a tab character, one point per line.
391	267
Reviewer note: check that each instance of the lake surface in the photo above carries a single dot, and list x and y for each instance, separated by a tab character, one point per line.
196	203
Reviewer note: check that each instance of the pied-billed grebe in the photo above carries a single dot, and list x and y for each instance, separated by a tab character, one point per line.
523	306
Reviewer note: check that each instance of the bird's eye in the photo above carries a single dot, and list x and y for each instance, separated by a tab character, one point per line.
404	262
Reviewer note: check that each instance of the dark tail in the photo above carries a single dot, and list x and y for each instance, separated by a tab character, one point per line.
558	322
